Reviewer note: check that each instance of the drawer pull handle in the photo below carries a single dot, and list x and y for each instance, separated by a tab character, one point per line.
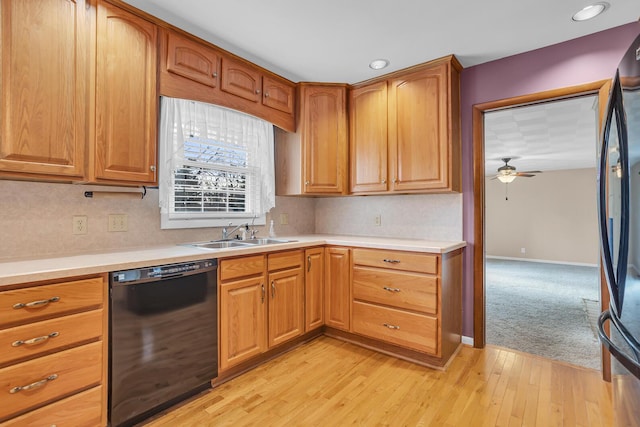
391	326
309	263
262	286
273	289
35	340
386	288
34	385
392	261
36	303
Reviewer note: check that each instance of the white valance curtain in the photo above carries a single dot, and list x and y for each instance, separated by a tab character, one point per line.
186	124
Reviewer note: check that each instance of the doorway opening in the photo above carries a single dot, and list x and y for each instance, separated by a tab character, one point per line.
600	89
541	229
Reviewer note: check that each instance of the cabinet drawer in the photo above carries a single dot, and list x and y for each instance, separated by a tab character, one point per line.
76	368
282	260
80	410
408	261
39	302
409	291
241	267
48	335
415	331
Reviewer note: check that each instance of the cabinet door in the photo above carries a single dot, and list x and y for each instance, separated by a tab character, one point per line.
314	288
192	60
44	87
242	320
126	101
286	305
337	300
324	139
278	94
241	80
418	130
368	138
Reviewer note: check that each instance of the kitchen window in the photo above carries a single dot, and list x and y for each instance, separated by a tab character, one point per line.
216	166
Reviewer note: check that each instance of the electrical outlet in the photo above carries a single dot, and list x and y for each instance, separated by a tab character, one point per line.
118	222
377	220
80	223
284	219
523	251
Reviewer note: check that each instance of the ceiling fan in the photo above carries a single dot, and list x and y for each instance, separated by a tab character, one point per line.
507	173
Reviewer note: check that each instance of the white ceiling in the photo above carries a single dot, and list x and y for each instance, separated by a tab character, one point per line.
334	40
548	136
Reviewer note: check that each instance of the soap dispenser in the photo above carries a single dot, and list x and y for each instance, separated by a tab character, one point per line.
272	231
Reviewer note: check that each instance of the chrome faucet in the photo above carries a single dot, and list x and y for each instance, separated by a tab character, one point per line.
226	234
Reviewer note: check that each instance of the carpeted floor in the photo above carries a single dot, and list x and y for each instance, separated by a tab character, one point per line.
544	309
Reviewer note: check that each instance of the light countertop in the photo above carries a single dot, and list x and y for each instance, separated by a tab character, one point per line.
13	271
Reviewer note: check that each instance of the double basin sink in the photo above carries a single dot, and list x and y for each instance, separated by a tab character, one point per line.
224	244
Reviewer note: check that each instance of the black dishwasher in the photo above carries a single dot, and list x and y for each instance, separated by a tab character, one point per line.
163	337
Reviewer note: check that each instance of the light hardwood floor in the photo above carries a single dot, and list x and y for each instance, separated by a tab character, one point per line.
331	383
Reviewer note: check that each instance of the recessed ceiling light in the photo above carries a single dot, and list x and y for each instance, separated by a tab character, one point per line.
590	11
379	64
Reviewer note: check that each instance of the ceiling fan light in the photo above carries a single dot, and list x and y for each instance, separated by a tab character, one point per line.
506	178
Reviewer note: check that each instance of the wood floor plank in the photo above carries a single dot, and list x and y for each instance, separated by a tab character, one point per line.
328	382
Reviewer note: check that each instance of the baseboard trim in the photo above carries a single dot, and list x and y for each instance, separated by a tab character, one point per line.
467	340
580	264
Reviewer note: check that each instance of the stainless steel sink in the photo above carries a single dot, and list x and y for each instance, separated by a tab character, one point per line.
223	244
266	241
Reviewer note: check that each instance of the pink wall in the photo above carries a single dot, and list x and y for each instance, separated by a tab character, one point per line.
583	60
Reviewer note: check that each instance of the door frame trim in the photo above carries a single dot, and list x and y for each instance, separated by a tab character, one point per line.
601	88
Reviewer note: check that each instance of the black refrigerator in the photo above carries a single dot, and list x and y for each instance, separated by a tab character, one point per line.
619	222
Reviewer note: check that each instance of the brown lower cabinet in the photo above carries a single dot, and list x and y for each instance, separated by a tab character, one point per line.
409	300
261	304
53	364
337	288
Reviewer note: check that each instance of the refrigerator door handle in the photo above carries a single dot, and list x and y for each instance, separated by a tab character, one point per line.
631	365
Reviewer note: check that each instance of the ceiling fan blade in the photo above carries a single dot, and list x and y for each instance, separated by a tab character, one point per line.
526	175
531	172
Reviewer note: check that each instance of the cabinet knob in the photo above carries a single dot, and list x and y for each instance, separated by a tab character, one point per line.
215	74
152	168
266	94
384	181
257	91
307	182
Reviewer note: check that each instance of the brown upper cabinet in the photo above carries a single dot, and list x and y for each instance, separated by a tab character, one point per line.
59	123
313	161
405	131
45	51
193	69
126	98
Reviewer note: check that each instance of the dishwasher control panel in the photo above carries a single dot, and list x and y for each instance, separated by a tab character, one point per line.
163	271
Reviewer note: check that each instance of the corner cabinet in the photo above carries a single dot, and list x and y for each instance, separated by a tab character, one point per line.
313	161
126	98
314	288
337	297
405	131
45	69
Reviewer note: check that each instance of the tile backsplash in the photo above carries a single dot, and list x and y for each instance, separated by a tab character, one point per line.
36	219
418	216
